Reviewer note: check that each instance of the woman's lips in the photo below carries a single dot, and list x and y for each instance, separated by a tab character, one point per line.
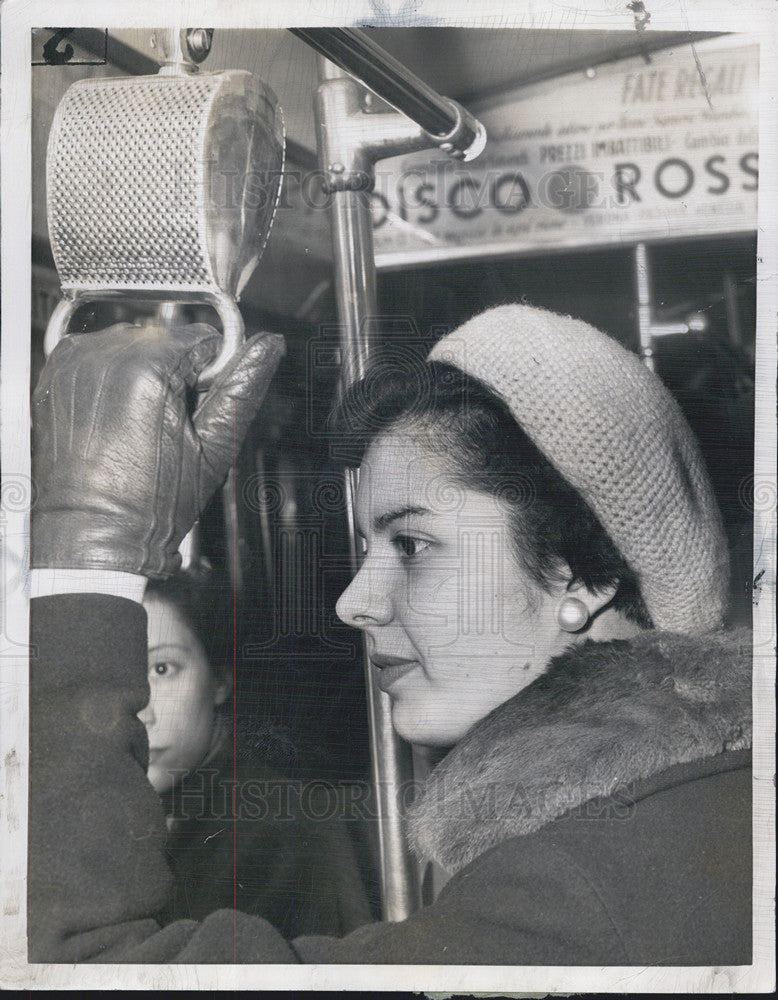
392	668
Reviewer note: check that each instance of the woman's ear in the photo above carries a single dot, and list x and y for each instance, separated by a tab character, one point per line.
578	606
223	689
595	600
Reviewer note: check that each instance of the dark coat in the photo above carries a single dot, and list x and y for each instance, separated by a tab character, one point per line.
239	835
601	817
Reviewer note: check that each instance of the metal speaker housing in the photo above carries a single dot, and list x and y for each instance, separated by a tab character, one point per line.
163	187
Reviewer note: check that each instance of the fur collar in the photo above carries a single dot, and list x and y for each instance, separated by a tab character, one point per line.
603	716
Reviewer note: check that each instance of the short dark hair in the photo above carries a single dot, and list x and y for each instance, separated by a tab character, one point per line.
461	419
204	600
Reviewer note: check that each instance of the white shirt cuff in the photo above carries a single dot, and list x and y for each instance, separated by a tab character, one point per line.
50	581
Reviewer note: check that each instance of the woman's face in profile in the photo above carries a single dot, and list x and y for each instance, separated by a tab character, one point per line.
179	717
453	622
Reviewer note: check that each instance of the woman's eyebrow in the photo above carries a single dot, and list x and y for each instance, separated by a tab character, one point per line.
168	645
383	521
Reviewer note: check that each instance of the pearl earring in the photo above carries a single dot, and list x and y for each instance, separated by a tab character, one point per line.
573	615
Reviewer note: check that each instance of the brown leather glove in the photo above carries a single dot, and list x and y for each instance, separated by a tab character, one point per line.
120	468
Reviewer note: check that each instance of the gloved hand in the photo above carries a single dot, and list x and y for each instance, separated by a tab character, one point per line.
121	470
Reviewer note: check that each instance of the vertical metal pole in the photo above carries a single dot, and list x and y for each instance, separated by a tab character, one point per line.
355	279
231	531
268	559
643	279
649	329
733	314
355	284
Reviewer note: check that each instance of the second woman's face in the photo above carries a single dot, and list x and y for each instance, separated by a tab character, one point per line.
454	624
180	715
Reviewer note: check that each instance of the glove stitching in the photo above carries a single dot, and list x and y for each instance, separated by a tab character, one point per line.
54	422
95	410
154	527
174	508
72	411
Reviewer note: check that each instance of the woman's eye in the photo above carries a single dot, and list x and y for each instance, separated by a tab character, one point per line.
162	668
409	546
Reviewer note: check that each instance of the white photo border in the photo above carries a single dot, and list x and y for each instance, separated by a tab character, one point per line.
754	17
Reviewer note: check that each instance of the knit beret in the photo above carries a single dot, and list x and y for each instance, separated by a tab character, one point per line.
609	426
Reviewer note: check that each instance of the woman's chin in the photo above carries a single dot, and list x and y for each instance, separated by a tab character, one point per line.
415	727
159	779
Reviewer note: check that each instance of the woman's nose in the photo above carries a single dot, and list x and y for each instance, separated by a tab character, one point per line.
368	599
146	715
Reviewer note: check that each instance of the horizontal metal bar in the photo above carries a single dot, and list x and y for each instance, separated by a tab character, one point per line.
356	53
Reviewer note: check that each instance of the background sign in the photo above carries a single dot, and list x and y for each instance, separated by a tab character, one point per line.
637	150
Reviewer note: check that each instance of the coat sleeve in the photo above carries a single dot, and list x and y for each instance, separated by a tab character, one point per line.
97	871
514	905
